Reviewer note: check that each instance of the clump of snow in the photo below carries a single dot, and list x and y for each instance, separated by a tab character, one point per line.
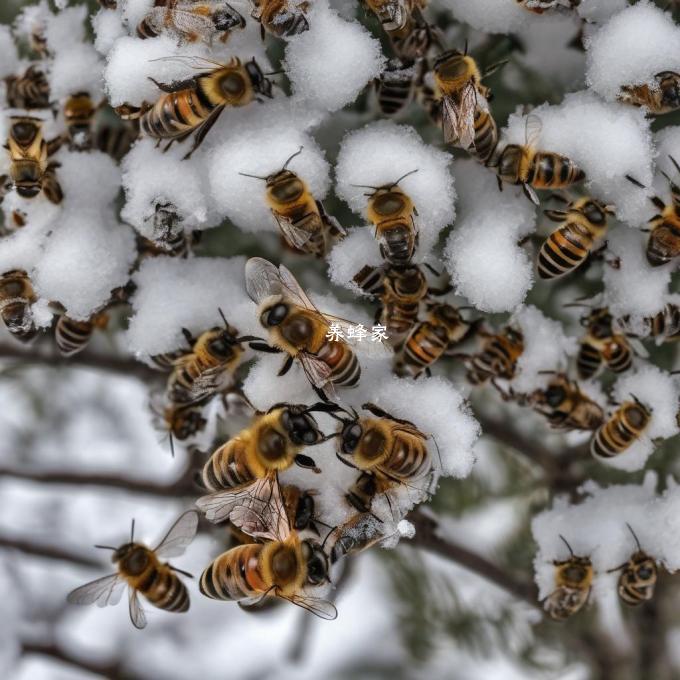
625	51
108	28
492	16
607	141
546	348
330	64
600	10
10	64
659	392
151	178
89	178
379	154
174	294
482	254
349	255
66	28
632	285
262	152
76	69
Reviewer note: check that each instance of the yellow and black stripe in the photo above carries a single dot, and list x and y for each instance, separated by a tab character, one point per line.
624	427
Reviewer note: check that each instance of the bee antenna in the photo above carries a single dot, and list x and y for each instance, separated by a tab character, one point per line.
630	528
675	163
132	531
224	318
567	544
466	48
172	445
635	182
365	186
330	531
245	174
576	304
394	184
106	547
297	153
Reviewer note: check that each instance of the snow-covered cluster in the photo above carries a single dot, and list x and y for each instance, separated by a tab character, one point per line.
295	239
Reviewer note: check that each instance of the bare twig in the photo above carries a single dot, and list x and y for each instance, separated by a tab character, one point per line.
428	539
112	670
86	359
51	552
182	486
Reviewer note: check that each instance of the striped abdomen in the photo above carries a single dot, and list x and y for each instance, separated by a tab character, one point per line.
162	588
345	369
564	250
227	467
588	360
486	136
665	324
234	575
423	347
72	336
176	114
618	355
663	244
114	141
409	458
551	171
146	29
398	240
394	90
624	428
638	579
30	91
399	317
498	359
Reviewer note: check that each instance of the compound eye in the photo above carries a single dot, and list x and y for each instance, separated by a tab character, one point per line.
555	396
275	315
350	437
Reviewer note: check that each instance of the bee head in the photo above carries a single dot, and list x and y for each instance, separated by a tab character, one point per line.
316	561
300	426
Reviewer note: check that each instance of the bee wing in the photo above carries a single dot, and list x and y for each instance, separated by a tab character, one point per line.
179	536
104	591
333	225
449	120
190	22
294	290
156	18
318	372
256	508
296	237
262	279
466	116
638	347
137	615
210	381
532	129
321	608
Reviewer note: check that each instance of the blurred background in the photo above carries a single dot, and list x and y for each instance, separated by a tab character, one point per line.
79	458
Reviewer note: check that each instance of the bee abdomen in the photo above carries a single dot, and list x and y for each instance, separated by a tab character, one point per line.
588	361
563	251
486	136
552	171
224	469
619	357
72	336
614	437
145	30
422	348
345	368
165	591
399	318
226	577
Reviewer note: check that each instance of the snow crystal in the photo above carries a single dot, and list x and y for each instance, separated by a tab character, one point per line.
612	60
632	285
381	153
263	151
546	348
483	255
174	294
658	391
331	63
608	141
151	178
87	256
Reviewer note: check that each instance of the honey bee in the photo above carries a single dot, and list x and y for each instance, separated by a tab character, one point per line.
72	336
274	441
602	344
573	581
429	340
141	569
387	450
662	97
281	18
583	223
29	170
191	20
638	578
182	421
498	358
392	211
298	328
79	112
193	105
16	297
213	358
534	169
565	406
540	6
284	566
167	230
29	91
664	238
303	222
665	325
623	428
395	87
359	533
458	86
166	361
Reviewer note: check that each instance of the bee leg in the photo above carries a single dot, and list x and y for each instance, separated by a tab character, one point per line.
306	462
321	394
263	347
188	337
286	366
174	87
345	461
203	130
180	571
500	183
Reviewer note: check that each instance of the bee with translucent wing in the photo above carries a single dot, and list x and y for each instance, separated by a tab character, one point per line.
299	329
284	566
638	576
16	297
281	18
602	344
573	581
303	222
141	569
621	430
663	98
540	6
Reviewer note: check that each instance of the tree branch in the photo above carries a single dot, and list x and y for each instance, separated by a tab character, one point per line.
120	365
47	551
182	486
427	538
